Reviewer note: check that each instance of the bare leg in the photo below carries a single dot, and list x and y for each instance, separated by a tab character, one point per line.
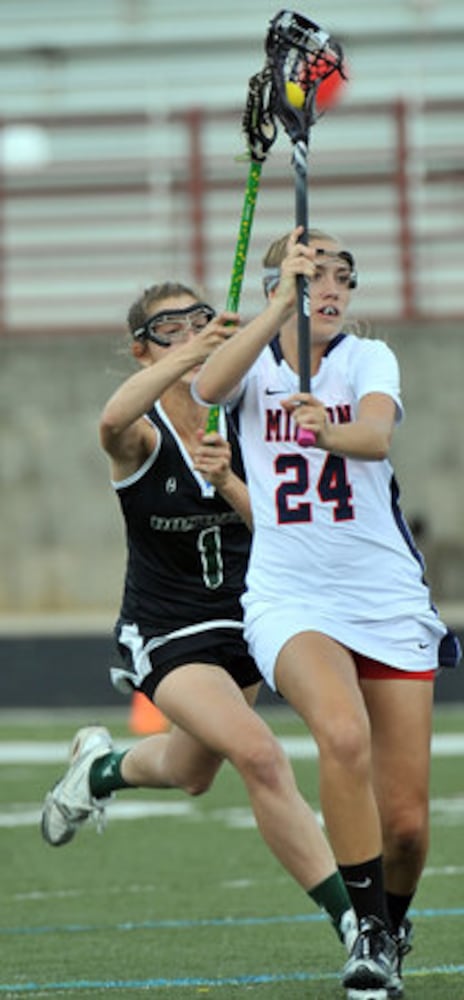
210	712
401	719
318	678
176	759
212	720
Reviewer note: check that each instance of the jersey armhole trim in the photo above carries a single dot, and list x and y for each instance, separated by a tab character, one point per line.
119	484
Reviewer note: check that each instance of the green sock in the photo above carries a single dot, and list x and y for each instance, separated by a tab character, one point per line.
332	896
105	775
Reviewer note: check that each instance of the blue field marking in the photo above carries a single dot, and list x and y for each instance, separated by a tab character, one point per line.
175	924
198	982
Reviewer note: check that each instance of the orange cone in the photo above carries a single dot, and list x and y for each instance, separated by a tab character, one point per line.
145	718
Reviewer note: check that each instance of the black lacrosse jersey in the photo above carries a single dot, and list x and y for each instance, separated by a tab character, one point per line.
187	549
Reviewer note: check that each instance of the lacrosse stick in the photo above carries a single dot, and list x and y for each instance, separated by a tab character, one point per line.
301	56
260	130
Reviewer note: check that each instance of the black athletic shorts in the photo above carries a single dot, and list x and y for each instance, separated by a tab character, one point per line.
222	647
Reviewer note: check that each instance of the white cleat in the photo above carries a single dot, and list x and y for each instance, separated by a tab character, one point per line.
70	802
349	929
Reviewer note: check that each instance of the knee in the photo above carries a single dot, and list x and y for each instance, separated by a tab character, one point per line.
262	762
405	830
345	743
198	784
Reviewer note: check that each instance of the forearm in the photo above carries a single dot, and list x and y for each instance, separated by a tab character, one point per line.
136	396
225	368
368	437
358	440
235	491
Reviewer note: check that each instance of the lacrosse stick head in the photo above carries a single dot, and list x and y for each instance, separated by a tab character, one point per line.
258	121
301	55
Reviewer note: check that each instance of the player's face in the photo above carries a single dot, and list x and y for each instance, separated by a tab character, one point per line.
330	291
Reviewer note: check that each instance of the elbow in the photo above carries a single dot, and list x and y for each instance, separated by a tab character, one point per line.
382	447
109	428
213	390
201	393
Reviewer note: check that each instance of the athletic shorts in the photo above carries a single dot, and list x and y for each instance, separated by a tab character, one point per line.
369	669
409	647
148	659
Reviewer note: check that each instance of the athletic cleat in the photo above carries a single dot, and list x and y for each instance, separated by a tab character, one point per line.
348	929
404	938
372	962
403	944
70	802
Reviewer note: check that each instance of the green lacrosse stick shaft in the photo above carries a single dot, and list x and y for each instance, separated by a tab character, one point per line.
241	251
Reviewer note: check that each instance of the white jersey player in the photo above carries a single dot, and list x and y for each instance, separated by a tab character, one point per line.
337	613
354	567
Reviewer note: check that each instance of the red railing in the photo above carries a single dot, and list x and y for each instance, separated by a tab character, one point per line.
122	199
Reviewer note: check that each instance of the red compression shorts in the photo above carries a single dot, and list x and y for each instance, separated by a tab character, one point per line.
374	670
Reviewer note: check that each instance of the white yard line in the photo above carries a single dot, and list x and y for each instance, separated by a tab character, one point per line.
444	811
296	747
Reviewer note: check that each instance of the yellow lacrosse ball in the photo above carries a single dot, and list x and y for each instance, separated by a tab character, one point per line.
295	95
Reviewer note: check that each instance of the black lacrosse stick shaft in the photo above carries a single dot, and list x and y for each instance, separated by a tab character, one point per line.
300	165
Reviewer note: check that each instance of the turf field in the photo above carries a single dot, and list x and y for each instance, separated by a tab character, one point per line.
180	898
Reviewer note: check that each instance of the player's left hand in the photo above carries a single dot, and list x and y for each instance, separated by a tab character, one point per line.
212	458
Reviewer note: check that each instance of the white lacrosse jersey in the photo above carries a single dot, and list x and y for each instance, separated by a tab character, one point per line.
329	535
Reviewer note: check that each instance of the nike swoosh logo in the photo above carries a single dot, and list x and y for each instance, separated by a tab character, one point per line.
366	882
274	392
423	645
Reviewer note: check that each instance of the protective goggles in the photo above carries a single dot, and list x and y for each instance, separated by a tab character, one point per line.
172	326
346	274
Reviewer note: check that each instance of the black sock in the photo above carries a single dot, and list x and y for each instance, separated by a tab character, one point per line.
397	908
365	886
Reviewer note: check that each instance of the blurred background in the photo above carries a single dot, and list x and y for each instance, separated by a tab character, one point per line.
120	165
